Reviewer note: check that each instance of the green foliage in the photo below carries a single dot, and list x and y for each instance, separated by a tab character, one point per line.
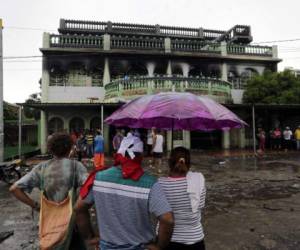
273	88
30	112
10	112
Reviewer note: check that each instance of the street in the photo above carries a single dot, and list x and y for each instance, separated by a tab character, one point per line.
251	204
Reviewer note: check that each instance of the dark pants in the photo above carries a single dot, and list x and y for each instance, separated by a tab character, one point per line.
149	148
286	144
178	246
77	242
79	155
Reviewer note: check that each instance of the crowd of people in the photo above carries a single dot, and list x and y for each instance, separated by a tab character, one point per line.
135	210
279	139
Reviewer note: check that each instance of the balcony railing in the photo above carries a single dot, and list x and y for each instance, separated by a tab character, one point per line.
155	44
124	89
195	46
91	27
76	41
249	50
119	42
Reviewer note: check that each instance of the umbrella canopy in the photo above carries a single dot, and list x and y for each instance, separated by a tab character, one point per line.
173	110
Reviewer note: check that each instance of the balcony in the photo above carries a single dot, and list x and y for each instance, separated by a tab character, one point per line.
127	89
155	44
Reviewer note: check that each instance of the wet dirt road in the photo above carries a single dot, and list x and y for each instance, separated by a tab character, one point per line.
251	204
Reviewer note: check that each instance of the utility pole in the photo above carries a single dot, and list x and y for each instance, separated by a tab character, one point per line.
1	97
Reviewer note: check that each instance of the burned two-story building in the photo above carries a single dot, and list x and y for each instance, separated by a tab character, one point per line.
90	68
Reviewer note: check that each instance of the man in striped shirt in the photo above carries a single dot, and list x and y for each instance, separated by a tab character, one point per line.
126	199
90	144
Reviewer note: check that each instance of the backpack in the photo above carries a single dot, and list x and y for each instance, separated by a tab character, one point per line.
57	222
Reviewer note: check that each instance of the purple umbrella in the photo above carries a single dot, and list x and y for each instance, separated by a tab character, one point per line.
173	110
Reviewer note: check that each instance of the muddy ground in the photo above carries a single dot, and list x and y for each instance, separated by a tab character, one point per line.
251	204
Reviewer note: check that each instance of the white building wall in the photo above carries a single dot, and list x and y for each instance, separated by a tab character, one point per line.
74	94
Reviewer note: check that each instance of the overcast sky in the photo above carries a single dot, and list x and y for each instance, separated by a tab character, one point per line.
25	21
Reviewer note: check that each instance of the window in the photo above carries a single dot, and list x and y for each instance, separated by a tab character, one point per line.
55	124
76	125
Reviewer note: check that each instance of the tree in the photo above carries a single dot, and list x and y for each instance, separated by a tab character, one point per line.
10	112
31	112
273	88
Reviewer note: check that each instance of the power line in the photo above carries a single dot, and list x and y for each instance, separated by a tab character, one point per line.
28	28
21	61
19	57
280	41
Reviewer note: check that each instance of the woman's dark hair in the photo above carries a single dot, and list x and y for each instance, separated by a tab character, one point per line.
180	160
59	144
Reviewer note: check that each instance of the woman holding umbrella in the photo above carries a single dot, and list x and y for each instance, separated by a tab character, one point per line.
185	192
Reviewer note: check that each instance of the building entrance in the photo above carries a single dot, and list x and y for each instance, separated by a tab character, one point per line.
206	140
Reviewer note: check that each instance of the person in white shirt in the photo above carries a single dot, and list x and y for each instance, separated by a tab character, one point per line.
150	135
157	150
287	138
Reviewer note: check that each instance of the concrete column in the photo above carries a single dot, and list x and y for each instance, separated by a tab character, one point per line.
201	32
106	137
45	81
223	48
209	88
150	68
224	72
187	139
106	73
169	140
275	51
169	68
169	73
242	138
185	67
226	139
46	40
45	70
106	42
167	45
44	131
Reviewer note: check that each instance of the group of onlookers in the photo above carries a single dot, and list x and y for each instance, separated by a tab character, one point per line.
278	139
126	199
89	144
154	144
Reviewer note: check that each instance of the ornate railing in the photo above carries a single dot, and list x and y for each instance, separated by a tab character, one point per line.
155	44
76	41
249	50
75	26
82	25
120	89
195	46
119	42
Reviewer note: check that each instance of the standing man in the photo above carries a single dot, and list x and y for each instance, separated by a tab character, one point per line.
90	144
262	139
125	199
80	147
157	150
287	138
99	150
297	137
149	141
277	138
